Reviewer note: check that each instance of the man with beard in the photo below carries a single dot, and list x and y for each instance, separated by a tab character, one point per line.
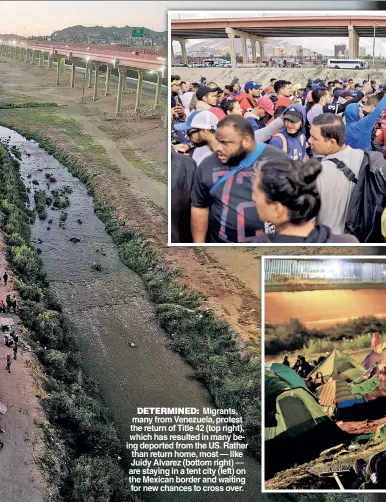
200	128
222	205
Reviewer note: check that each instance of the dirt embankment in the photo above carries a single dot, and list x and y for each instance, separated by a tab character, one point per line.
136	144
21	479
324	308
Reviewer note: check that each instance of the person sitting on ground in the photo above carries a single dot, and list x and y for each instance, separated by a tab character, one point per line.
295	367
285	194
292	138
248	98
311	386
361	121
286	361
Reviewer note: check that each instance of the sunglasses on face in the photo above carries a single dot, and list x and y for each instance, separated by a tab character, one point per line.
192	131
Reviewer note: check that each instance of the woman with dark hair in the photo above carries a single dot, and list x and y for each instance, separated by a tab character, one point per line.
286	196
230	106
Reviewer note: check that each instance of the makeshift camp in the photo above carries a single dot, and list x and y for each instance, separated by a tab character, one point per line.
339	364
288	374
374	358
337	394
293	417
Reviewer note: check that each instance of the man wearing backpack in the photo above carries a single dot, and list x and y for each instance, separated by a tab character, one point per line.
292	138
222	205
248	99
352	182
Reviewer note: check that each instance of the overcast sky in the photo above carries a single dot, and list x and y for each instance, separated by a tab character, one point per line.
31	18
42	18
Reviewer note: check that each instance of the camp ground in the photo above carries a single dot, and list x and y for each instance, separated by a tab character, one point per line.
309	431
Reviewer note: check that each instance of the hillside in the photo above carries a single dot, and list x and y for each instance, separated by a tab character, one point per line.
104	34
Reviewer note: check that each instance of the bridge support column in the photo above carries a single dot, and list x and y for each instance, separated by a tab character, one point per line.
139	89
41	59
73	68
90	72
172	54
50	62
253	45
183	51
261	44
33	59
244	47
232	49
353	43
158	90
95	94
62	65
57	72
120	88
108	76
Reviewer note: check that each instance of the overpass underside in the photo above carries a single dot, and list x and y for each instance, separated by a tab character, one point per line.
183	32
90	68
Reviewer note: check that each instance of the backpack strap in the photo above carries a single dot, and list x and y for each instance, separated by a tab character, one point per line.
345	170
283	140
244	164
302	139
251	103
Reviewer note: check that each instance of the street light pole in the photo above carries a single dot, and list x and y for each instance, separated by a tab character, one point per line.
375	25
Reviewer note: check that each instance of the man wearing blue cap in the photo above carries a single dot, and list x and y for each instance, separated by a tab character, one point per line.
248	99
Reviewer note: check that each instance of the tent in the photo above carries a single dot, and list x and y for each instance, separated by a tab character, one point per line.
337	394
339	365
288	374
292	418
374	358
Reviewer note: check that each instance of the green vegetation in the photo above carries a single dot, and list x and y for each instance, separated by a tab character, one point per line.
294	335
83	444
41	204
29	104
208	344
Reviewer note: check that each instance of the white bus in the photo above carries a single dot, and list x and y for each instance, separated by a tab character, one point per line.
354	64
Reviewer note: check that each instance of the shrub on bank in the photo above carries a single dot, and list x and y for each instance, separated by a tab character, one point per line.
197	334
82	423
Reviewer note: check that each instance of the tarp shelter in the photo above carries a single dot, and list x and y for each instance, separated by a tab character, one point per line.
374	358
289	375
340	366
6	321
292	418
337	393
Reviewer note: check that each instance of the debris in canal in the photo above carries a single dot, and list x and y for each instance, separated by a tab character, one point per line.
79	221
96	266
74	240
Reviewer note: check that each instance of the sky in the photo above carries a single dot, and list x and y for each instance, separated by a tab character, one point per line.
34	18
42	18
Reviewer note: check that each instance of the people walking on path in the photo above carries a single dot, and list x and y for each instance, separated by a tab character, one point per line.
5	277
15	347
9	362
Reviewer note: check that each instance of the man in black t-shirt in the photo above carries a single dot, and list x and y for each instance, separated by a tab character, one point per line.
228	213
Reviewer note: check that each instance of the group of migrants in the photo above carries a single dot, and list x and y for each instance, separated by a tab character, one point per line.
303	368
285	163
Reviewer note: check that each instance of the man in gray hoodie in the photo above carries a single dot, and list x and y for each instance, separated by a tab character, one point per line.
327	138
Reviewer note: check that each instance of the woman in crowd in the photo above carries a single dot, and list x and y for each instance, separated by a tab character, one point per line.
285	194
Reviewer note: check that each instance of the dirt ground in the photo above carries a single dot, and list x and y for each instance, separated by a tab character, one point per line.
228	277
21	479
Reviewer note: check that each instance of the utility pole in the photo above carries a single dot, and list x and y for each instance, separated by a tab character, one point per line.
375	26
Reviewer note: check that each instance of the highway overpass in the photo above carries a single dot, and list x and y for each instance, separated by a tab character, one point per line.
90	60
258	29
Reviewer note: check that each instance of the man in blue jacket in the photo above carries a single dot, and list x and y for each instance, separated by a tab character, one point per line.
292	138
360	122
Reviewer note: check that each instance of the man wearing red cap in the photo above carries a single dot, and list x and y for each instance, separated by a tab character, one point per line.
261	114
